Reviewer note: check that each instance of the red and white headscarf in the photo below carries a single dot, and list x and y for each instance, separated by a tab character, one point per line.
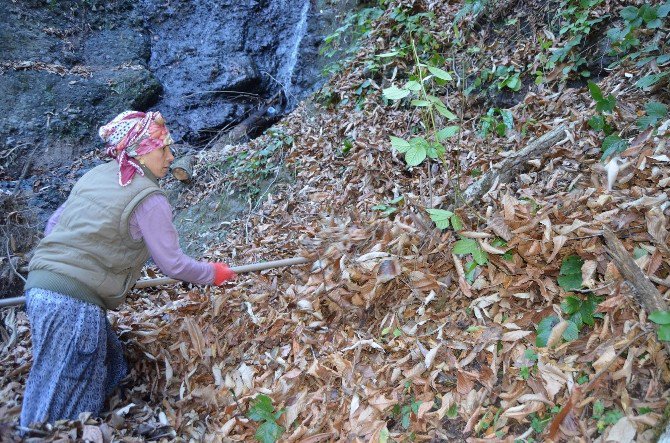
130	134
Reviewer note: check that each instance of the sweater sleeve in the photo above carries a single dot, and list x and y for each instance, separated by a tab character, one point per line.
153	217
53	220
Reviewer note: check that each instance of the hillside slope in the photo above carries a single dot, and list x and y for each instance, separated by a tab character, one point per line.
508	321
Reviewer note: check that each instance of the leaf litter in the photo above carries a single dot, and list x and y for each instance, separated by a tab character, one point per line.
389	318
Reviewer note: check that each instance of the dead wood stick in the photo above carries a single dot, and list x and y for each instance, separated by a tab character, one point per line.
644	290
511	166
242	129
148	283
182	168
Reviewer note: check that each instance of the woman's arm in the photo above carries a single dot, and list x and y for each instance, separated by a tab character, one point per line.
53	220
152	220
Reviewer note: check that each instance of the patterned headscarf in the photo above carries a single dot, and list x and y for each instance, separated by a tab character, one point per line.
130	134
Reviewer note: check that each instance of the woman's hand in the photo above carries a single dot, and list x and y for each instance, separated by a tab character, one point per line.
222	273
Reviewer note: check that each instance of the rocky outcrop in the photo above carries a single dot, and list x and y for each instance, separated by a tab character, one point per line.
63	71
68	67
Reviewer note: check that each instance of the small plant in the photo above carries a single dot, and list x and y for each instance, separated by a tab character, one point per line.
576	20
650	16
498	120
404	411
662	318
443	218
545	327
605	418
469	246
342	44
530	364
581	311
603	121
654	112
570	275
262	411
389	207
417	149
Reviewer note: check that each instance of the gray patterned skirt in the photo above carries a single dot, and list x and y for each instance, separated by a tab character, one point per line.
77	358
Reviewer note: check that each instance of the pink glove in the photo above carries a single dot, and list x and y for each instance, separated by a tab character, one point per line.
222	273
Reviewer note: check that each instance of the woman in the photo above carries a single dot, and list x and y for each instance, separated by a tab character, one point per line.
94	249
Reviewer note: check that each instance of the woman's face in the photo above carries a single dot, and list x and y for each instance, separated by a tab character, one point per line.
158	161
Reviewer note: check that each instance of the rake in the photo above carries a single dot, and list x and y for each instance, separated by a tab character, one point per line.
148	283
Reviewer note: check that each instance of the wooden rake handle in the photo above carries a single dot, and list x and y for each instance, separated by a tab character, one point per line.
148	283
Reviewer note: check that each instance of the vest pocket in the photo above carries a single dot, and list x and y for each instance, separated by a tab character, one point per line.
88	328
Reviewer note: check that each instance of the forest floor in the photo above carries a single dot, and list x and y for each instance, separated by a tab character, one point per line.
510	320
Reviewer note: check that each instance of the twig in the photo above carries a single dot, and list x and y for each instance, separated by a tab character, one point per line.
506	169
644	290
9	258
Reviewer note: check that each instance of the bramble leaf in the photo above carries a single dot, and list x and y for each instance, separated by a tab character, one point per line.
570	275
395	93
399	144
440	217
269	432
660	317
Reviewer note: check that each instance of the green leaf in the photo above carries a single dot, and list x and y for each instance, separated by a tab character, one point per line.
571	333
439	73
530	354
440	217
395	93
434	99
655	24
388	54
570	282
514	83
452	412
597	122
413	86
465	246
261	409
544	330
595	91
629	13
613	144
606	105
508	118
650	80
660	317
571	265
649	14
447	132
384	435
662	59
480	256
445	112
457	223
269	432
399	144
664	332
435	150
571	305
420	103
656	109
646	121
415	155
570	275
664	9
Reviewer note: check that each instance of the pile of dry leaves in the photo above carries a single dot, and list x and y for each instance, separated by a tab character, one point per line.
389	333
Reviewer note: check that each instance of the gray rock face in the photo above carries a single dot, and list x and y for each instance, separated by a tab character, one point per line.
217	71
63	73
67	67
